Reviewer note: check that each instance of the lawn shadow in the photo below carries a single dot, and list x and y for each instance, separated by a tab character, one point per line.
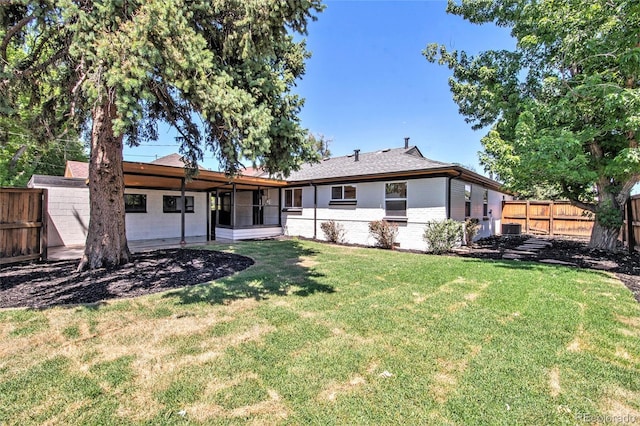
282	268
533	265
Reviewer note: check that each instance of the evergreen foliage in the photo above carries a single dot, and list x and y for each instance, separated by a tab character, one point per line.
221	72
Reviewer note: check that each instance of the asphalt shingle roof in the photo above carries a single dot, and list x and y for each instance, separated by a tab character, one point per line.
173	160
369	163
76	169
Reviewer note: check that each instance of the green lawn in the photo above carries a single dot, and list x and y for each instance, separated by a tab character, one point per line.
322	334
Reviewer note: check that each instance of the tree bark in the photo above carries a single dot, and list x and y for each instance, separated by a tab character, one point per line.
106	244
604	238
605	232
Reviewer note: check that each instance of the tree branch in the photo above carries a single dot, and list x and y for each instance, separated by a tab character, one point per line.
12	32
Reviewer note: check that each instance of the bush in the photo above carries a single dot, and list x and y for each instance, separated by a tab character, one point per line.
442	236
385	233
333	231
471	227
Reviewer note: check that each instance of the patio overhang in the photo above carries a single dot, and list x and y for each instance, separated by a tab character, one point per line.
154	176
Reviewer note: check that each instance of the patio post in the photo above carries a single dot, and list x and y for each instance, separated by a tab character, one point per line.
182	217
233	206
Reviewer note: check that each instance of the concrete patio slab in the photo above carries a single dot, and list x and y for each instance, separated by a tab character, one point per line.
76	252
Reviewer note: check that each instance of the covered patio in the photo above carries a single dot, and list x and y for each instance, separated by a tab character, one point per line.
241	207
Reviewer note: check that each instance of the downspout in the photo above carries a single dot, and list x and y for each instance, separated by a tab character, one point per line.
315	211
449	179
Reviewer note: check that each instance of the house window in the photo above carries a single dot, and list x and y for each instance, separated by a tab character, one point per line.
135	203
395	197
485	203
293	198
343	195
343	192
173	204
467	201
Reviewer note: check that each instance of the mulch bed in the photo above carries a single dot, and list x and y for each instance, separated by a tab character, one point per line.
46	284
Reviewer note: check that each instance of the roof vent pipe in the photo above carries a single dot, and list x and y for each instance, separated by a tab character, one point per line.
406	143
356	154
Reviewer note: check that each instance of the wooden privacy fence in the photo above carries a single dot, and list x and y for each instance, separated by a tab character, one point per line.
23	224
548	218
631	230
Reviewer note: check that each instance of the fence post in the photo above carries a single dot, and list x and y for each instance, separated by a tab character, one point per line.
551	215
631	237
44	242
526	218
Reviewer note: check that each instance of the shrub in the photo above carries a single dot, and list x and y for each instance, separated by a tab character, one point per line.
471	227
384	233
333	231
442	236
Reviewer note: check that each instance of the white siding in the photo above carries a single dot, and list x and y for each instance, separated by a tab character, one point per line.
156	224
68	214
247	233
490	224
426	200
457	200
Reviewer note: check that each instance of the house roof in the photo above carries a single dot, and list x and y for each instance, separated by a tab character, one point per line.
173	160
76	169
397	163
367	164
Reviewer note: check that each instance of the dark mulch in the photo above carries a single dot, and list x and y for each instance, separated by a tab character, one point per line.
569	252
45	284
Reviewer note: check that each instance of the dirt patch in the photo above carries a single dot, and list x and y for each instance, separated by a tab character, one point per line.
46	284
332	392
565	251
554	382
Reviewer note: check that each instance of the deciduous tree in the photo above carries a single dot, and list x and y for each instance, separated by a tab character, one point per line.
563	107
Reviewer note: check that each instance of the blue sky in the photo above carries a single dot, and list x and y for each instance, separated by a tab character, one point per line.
367	85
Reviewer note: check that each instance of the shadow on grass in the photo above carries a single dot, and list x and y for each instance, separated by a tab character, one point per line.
533	265
281	268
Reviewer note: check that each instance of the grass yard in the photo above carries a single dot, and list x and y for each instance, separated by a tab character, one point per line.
322	334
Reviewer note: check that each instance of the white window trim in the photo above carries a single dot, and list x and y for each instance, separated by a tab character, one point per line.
342	201
292	207
485	203
469	200
342	192
405	199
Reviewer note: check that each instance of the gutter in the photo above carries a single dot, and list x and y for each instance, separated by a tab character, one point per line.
449	192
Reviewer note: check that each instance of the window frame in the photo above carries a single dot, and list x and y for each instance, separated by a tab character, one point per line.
342	200
387	199
485	203
135	207
292	206
189	207
468	194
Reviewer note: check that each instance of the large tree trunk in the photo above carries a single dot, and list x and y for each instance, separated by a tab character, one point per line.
604	238
106	240
608	223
